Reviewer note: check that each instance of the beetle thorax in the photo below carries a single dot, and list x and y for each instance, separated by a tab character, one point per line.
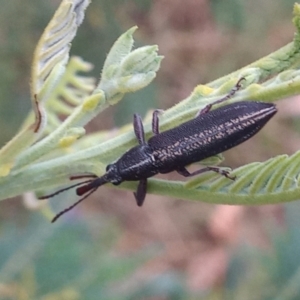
137	163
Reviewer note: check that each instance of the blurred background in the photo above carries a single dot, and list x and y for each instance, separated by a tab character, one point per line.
107	248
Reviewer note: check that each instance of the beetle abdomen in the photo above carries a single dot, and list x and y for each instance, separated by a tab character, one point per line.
210	133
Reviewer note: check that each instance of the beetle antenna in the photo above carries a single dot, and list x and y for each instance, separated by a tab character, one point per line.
65	189
72	206
76	177
91	185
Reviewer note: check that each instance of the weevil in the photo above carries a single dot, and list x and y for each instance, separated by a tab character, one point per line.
211	132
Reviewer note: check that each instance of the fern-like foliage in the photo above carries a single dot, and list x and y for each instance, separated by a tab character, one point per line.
49	149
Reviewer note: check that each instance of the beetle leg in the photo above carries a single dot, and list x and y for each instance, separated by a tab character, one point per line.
155	121
184	172
141	191
208	107
139	129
